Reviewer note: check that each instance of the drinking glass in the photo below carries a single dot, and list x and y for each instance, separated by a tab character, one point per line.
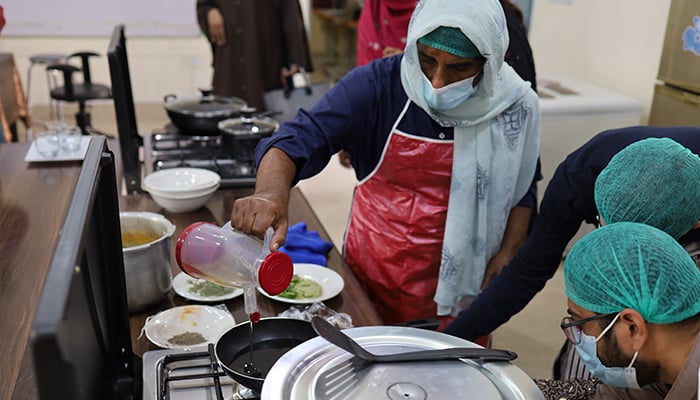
46	143
69	136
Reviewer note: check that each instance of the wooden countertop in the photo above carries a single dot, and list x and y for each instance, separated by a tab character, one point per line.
33	204
351	300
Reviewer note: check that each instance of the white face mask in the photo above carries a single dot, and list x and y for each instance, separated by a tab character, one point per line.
448	96
613	376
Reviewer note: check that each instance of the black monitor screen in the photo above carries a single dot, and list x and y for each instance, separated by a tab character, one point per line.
129	139
80	337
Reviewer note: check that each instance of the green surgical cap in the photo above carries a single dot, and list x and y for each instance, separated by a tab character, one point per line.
451	40
654	181
632	265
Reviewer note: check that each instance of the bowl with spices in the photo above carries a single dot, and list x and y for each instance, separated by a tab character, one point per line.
146	249
188	326
202	290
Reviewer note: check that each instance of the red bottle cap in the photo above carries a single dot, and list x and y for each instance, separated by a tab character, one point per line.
275	273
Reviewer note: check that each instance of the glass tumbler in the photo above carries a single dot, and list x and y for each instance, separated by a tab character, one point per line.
46	143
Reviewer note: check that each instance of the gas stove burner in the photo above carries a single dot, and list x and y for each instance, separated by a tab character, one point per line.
166	148
183	374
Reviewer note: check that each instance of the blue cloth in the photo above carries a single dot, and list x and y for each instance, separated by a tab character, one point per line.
305	246
568	201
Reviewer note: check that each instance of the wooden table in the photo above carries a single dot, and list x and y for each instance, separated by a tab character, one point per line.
33	205
351	300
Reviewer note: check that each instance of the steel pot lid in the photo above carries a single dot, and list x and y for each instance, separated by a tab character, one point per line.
205	106
249	125
299	374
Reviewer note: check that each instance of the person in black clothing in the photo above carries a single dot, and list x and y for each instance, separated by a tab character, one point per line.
568	201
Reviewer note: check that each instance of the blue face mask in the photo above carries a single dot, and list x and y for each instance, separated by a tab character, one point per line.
449	96
613	376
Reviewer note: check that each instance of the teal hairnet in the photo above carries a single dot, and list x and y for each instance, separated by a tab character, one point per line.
654	181
632	265
451	40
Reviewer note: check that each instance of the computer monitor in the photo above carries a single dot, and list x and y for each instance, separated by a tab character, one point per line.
80	339
129	139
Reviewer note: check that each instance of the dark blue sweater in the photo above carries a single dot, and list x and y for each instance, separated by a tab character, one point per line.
568	201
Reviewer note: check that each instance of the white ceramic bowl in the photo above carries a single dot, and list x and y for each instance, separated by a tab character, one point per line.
181	195
183	204
181	181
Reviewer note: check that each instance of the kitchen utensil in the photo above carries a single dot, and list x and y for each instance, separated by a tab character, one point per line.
200	115
231	258
241	135
272	335
147	266
340	380
338	338
296	374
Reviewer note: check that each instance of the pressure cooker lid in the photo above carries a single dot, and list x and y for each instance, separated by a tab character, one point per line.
312	371
205	106
249	125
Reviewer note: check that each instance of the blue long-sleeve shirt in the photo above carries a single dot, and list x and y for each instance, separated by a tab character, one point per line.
568	201
357	115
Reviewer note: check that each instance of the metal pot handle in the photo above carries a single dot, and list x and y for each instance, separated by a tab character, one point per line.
168	97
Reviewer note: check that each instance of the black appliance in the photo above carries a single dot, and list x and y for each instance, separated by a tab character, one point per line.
166	147
80	338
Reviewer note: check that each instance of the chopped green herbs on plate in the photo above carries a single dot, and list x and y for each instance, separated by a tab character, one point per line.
208	289
302	288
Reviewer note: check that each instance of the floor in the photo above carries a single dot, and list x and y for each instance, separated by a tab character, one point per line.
534	333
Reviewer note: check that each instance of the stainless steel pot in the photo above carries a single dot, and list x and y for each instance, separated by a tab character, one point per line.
200	115
241	135
147	266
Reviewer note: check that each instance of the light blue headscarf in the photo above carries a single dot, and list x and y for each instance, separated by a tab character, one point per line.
497	134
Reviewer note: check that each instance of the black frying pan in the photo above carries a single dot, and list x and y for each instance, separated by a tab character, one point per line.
272	337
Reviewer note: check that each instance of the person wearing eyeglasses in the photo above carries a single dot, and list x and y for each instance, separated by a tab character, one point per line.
640	174
634	312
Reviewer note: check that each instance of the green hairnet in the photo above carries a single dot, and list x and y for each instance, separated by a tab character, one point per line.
654	181
632	265
451	40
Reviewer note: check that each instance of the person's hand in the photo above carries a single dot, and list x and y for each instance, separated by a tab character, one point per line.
494	267
252	215
344	158
286	73
217	33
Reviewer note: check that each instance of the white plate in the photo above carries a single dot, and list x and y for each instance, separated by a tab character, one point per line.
34	156
330	280
182	283
210	322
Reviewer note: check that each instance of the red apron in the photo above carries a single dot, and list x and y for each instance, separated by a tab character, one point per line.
394	238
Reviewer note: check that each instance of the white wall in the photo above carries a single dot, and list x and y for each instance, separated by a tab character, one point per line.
613	43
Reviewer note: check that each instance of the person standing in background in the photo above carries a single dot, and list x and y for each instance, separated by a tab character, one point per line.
256	45
382	27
